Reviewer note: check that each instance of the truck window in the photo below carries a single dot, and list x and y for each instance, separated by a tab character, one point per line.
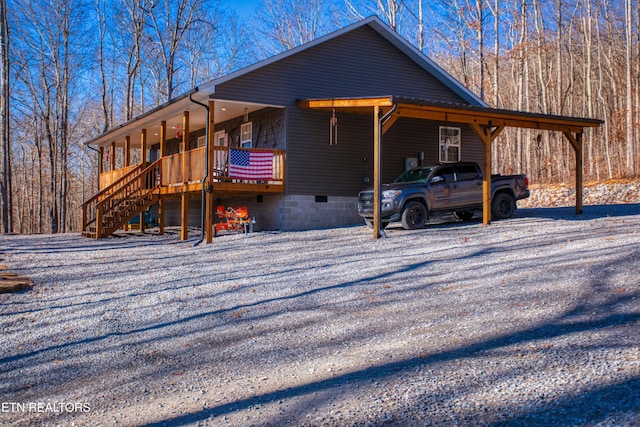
447	174
467	172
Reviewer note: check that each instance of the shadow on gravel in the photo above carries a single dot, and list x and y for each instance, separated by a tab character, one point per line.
591	406
588	212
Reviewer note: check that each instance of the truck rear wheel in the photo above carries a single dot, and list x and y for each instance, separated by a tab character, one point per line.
414	216
502	206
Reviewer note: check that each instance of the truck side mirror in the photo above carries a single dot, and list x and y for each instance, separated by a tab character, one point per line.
437	179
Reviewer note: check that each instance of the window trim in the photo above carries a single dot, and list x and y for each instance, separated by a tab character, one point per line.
454	136
246	137
202	139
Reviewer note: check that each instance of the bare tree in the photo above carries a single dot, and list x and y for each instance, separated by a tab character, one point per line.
171	20
630	143
6	191
285	24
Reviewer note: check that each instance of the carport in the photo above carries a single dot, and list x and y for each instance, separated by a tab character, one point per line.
486	122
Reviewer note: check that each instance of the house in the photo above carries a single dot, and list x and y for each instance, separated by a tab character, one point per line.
307	118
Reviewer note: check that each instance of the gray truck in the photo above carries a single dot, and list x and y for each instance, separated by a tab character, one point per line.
455	188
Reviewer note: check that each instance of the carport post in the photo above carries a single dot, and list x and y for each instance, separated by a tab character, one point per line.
486	134
377	220
576	143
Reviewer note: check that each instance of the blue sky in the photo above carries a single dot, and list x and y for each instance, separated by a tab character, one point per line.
244	8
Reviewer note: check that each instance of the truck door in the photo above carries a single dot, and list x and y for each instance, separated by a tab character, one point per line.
469	183
443	195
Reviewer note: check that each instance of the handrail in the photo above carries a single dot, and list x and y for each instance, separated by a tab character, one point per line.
140	175
115	183
95	208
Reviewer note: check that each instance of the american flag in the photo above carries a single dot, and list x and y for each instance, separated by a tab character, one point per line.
244	164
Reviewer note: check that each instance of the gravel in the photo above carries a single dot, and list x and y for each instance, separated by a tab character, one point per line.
528	321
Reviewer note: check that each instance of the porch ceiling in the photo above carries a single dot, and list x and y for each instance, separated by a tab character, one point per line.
172	113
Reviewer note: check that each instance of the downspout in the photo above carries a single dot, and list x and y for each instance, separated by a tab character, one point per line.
86	144
205	188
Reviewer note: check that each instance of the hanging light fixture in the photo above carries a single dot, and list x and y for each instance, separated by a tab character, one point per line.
246	114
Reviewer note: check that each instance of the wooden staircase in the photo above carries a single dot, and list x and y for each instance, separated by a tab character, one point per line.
127	197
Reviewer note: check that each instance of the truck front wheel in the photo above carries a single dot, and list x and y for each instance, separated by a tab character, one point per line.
414	216
503	206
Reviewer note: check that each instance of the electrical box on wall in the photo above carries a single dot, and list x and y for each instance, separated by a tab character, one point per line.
410	163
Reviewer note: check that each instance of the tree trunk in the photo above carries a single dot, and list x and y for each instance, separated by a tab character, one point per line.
6	187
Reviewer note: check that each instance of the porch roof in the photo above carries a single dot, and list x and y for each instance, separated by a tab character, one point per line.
172	113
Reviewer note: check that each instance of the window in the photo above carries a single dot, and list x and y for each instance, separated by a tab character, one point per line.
467	173
449	144
201	141
246	135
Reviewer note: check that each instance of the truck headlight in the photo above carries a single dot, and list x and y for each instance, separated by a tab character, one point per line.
390	194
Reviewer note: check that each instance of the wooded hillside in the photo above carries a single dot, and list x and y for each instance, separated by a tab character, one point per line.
72	69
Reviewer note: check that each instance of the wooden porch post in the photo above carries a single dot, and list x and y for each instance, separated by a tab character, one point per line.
101	162
487	135
163	152
127	151
208	217
576	143
377	220
143	160
112	152
143	146
184	232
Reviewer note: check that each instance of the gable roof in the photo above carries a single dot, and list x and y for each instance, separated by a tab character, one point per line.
171	111
383	30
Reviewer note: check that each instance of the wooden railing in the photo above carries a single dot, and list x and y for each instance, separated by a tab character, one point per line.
189	166
107	178
89	207
116	204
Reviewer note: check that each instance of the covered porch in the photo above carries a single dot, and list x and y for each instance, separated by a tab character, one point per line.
191	146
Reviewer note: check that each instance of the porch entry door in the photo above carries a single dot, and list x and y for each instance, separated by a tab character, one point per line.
220	156
220	138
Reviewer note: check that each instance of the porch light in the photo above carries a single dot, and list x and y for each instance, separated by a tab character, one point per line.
246	114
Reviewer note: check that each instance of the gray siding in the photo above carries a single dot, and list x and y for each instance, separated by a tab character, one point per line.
357	64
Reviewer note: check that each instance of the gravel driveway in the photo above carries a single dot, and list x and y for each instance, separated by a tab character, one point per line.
528	321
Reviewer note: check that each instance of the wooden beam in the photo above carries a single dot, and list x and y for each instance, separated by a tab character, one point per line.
101	161
576	143
161	208
377	166
389	122
184	224
185	146
209	200
487	135
163	138
386	101
127	151
143	146
112	153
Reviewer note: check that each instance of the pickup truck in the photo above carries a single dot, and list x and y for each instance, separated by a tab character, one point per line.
455	188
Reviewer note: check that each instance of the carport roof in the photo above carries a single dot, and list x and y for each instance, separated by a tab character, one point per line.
486	122
451	112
